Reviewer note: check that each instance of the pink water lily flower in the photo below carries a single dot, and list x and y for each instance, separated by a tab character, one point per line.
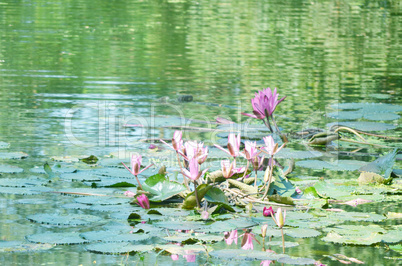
195	171
136	165
174	256
228	168
250	150
195	150
270	146
231	237
177	141
128	193
190	257
143	201
264	103
247	242
233	145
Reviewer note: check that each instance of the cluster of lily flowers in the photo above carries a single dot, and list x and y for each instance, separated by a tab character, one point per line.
194	154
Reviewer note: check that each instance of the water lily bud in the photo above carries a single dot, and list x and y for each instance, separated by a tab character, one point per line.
298	190
264	230
204	215
268	211
266	174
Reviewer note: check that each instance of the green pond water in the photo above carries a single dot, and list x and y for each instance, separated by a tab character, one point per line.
73	73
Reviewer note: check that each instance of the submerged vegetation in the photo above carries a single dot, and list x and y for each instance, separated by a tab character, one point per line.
250	196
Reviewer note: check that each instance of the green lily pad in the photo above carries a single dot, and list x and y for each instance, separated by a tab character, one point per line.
241	254
357	216
363	125
366	239
340	165
190	201
327	189
302	232
4	145
293	154
180	225
161	188
181	237
22	182
382	166
80	176
57	219
24	191
296	261
56	238
108	200
13	155
114	236
10	169
18	246
117	248
76	206
279	243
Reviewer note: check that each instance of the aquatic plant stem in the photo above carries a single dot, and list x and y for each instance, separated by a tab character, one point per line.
138	181
267	124
276	126
181	170
255	178
271	170
283	241
196	195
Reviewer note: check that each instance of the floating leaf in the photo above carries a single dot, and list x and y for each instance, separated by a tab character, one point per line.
24	191
293	154
161	188
57	219
102	200
296	261
382	166
22	182
279	243
363	125
56	238
366	239
18	246
181	237
114	236
80	176
4	145
340	165
117	248
90	160
9	169
327	189
190	201
13	155
357	216
302	232
241	254
180	225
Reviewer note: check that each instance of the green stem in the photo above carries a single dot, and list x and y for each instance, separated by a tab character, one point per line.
196	195
283	241
277	128
255	178
270	177
138	181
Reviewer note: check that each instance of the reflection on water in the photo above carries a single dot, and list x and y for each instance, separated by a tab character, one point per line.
84	69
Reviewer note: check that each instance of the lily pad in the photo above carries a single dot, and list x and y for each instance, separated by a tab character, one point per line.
80	176
57	219
293	154
279	243
161	188
340	165
117	248
22	182
302	232
10	169
13	155
297	261
114	236
107	200
18	246
240	254
382	166
56	238
181	237
4	145
24	191
363	125
180	225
